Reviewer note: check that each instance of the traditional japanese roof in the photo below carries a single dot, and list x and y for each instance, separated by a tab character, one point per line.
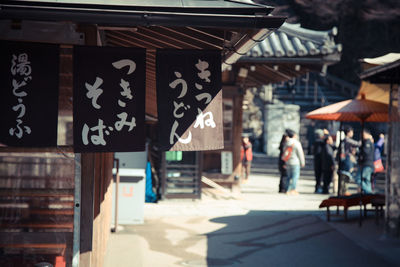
194	13
383	72
383	69
288	52
292	41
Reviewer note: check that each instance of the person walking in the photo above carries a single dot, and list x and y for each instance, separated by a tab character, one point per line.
328	163
294	156
282	165
246	156
366	163
317	152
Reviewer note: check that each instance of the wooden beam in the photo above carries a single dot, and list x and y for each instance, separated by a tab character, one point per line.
213	33
136	40
163	39
214	185
190	38
59	149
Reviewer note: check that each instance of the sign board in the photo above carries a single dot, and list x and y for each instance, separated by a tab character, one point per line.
28	94
189	100
226	162
109	99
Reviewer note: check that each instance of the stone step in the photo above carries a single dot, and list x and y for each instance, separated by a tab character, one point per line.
302	88
328	98
322	91
306	106
303	171
263	164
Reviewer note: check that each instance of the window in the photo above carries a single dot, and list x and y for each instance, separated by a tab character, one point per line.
228	120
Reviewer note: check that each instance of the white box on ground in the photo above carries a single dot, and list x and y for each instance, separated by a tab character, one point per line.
131	189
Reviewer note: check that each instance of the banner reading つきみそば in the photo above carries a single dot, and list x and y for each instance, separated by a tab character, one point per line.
109	99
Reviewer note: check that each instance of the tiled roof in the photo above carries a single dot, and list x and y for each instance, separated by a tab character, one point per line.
290	40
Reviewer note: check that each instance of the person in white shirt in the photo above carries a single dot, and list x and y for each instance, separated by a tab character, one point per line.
295	160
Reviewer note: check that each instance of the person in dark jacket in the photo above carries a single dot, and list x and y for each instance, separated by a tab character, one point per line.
349	143
366	163
317	150
282	165
328	163
347	159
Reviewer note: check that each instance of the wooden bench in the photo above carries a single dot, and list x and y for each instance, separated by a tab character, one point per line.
346	202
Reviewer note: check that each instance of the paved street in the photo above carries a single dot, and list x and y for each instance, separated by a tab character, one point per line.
258	227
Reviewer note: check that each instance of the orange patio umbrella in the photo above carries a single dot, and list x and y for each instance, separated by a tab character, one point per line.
354	110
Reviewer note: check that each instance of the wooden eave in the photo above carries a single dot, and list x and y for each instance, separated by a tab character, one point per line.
228	41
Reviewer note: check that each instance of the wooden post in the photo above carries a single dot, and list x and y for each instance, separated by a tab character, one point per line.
87	207
87	179
77	212
116	196
237	132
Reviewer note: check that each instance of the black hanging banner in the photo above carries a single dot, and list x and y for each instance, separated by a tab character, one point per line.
28	94
189	100
109	99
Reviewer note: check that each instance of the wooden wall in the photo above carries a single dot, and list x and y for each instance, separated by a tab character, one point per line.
96	201
392	216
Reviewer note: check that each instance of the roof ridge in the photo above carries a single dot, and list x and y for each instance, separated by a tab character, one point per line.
308	34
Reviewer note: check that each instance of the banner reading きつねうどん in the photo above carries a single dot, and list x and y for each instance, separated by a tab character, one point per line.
189	100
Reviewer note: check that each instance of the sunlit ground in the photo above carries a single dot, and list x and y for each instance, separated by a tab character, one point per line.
256	227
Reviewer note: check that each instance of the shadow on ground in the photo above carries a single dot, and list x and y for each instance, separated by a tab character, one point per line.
262	238
258	238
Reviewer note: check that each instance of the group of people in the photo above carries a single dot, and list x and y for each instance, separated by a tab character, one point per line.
358	160
361	159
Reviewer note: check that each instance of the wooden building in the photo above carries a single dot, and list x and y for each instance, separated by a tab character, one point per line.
56	204
381	81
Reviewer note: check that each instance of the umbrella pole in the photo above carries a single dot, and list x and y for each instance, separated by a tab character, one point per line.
339	159
362	170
